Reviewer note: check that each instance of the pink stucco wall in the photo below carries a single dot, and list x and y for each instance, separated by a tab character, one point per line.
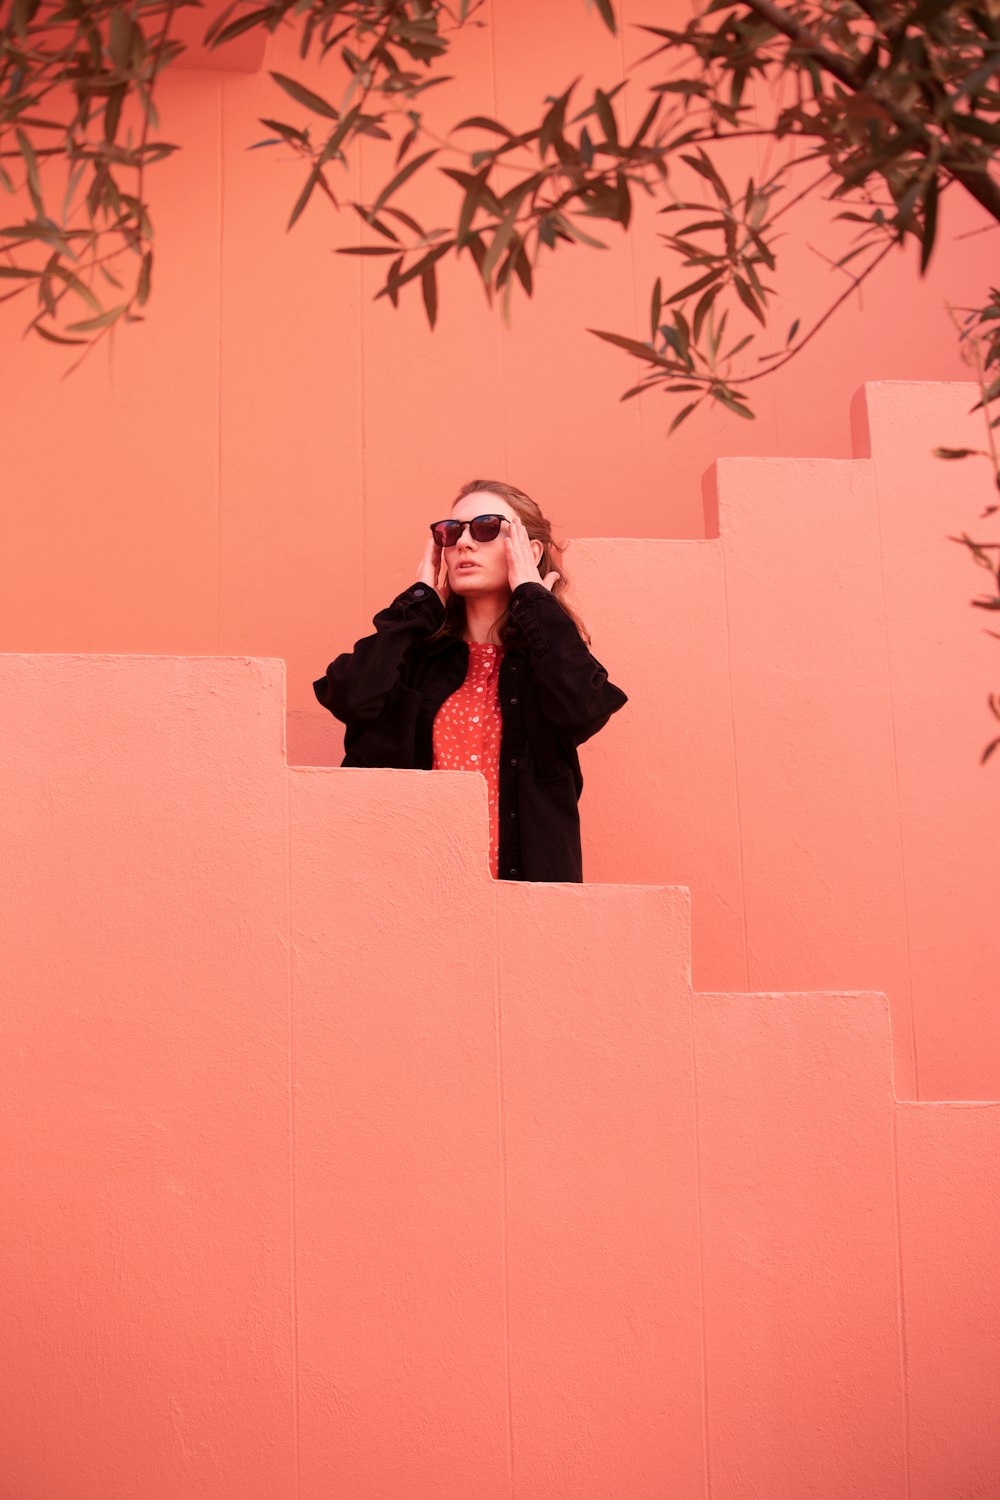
252	469
801	747
255	465
336	1166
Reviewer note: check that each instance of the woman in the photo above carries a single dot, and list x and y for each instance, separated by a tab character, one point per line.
478	666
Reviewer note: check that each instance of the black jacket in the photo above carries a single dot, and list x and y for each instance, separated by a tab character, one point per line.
553	695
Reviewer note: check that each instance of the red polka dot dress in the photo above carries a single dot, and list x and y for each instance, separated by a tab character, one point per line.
467	729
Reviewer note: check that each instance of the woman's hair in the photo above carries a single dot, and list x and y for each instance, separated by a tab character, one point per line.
539	530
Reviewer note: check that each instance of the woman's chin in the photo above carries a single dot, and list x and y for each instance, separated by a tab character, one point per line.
474	584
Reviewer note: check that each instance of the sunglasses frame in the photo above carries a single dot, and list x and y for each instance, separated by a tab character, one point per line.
490	515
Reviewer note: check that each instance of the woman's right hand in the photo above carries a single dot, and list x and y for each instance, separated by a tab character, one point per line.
434	571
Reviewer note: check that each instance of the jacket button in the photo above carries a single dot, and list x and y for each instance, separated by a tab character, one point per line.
513	701
512	872
513	814
418	593
513	760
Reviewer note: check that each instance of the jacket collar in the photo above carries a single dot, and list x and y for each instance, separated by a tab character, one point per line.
443	643
453	642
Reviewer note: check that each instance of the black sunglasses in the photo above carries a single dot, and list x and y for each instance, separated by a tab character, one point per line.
481	529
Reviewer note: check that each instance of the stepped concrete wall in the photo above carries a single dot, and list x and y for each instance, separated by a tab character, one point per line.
337	1166
251	471
801	748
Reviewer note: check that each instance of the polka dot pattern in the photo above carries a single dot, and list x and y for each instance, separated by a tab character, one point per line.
467	730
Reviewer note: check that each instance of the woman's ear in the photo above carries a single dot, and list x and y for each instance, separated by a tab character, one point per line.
536	551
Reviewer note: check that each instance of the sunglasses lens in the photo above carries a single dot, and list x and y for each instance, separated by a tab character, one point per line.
482	529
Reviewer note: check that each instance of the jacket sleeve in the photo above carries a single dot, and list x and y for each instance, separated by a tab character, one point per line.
358	683
575	692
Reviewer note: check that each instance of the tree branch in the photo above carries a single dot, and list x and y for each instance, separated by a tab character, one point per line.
855	283
975	179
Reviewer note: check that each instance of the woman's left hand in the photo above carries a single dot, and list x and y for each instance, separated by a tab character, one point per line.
521	565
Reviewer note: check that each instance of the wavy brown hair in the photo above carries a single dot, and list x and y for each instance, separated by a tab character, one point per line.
539	529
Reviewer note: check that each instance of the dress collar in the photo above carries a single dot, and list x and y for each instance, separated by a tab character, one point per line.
453	642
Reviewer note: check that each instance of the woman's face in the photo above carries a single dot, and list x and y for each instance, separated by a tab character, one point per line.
480	567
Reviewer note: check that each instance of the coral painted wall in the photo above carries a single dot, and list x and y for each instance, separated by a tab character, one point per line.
312	1188
254	467
252	471
337	1167
802	740
801	745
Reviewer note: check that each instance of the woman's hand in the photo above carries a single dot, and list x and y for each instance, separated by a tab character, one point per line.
434	571
521	565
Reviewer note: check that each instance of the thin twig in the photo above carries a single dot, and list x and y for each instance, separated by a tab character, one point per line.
972	341
797	348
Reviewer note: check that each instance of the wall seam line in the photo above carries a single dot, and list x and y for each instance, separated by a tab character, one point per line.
706	1450
218	374
895	774
736	765
501	348
637	405
362	425
292	1153
901	1298
502	1148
